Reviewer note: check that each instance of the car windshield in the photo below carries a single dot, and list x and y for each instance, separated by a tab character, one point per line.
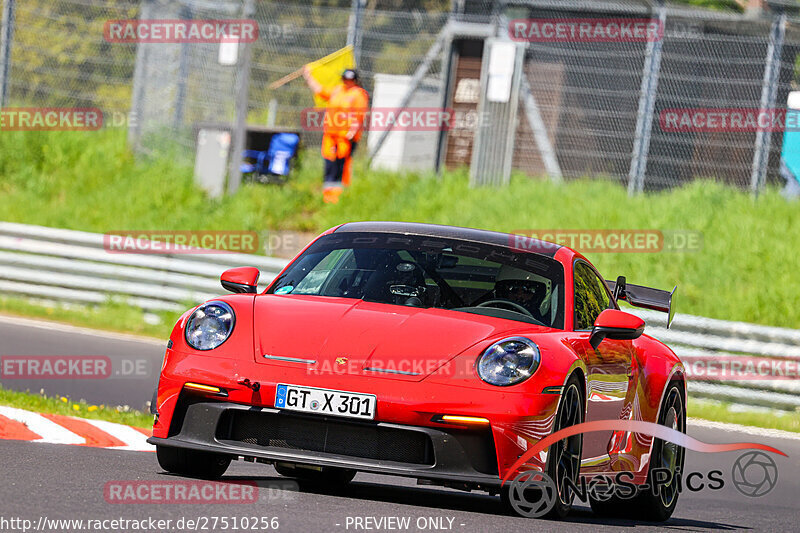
430	272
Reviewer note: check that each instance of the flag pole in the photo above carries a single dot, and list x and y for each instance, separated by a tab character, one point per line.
286	79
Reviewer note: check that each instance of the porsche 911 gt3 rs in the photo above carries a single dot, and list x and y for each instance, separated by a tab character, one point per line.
432	352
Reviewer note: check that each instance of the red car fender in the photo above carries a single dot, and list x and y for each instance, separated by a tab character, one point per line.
658	366
238	346
514	435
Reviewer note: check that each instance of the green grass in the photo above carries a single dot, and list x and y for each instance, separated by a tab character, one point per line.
90	181
40	403
744	415
745	270
112	316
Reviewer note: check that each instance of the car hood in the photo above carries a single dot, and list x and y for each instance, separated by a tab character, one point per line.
345	335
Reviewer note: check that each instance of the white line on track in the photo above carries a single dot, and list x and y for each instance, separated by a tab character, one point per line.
57	326
738	428
48	430
134	440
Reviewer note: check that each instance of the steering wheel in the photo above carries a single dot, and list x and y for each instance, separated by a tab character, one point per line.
499	302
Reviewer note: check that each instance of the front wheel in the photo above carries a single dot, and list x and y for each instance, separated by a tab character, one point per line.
192	463
563	463
564	457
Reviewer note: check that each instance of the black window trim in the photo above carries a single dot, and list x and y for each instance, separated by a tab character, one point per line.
611	302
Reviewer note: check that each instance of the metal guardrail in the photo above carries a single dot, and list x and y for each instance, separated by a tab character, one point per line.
710	341
73	266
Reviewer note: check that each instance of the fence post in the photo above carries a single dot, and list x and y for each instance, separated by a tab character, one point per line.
647	101
769	94
138	86
6	39
416	79
354	29
183	73
272	113
492	149
240	122
533	115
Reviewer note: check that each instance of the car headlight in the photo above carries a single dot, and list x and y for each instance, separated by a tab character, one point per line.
509	361
210	325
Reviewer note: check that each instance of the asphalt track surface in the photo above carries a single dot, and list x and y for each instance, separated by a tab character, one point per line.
67	482
134	361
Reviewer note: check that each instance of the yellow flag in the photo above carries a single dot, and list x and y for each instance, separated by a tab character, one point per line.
328	70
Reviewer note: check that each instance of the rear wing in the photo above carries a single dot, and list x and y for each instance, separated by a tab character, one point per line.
646	297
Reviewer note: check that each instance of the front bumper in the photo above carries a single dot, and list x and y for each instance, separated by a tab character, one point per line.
462	456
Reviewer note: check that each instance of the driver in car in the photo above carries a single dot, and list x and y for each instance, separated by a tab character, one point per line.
522	288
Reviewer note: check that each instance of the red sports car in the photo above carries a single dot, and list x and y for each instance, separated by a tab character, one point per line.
433	352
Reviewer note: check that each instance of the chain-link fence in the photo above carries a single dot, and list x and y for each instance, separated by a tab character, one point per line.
393	42
586	108
184	85
59	57
604	102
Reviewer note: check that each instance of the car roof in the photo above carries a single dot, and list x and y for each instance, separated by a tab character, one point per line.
450	232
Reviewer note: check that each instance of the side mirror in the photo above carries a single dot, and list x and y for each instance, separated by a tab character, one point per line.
240	280
615	324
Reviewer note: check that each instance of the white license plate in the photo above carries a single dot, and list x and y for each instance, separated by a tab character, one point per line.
325	401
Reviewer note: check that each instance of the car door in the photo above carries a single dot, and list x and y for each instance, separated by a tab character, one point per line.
608	366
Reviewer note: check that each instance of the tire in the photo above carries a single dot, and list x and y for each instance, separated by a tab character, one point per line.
646	505
325	475
563	457
659	507
192	463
